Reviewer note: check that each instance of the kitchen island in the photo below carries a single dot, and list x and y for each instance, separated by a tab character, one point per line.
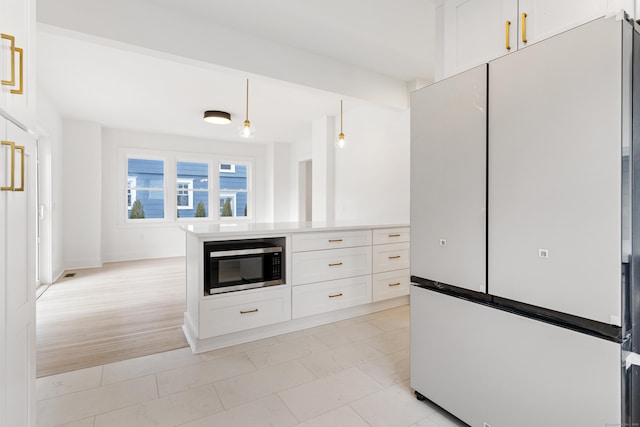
330	272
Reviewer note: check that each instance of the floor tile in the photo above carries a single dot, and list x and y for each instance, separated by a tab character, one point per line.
395	406
439	419
68	382
270	411
328	393
146	365
87	422
333	361
167	411
286	351
263	382
237	349
391	320
341	417
316	330
388	370
198	374
83	404
349	334
390	342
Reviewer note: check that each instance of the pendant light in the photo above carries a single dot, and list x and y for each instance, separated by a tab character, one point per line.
340	141
246	131
217	117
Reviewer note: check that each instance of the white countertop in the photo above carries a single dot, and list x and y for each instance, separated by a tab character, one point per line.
261	229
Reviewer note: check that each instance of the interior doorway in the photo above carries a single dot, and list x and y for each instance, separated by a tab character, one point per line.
44	251
305	191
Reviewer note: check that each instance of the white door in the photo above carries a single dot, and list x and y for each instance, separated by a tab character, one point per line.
545	18
476	31
19	281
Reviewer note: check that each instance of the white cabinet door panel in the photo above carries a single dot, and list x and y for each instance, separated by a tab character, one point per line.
555	174
391	235
394	256
329	296
390	284
448	180
330	240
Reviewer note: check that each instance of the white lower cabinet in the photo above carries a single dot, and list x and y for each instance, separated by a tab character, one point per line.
328	296
222	314
394	256
390	284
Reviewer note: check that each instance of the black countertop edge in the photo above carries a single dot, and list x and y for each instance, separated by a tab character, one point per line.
578	324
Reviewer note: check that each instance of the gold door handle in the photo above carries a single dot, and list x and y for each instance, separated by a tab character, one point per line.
335	264
394	257
19	91
335	240
255	310
335	295
394	284
12	39
13	165
524	28
21	148
506	32
394	235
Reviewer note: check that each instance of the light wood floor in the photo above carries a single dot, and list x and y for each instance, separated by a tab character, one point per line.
117	312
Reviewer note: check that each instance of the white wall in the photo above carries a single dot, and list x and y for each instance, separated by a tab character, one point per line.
123	241
50	125
82	193
323	137
372	170
283	187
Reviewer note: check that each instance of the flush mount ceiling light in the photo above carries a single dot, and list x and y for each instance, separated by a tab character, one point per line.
246	131
217	117
340	141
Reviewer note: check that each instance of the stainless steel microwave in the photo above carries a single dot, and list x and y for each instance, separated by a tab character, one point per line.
242	264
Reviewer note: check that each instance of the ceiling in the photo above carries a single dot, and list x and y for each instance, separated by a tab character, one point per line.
132	88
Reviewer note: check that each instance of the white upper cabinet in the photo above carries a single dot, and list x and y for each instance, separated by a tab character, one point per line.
17	60
477	31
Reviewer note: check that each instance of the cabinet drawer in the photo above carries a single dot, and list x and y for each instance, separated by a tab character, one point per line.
391	235
330	240
394	256
390	284
242	310
320	266
328	296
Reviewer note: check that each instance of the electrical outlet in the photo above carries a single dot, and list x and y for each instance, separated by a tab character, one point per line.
443	242
542	253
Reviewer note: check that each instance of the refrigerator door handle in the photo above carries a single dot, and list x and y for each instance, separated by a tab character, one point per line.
631	359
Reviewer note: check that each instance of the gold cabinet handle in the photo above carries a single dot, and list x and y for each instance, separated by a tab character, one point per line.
13	165
255	310
13	60
335	264
394	235
19	91
394	284
335	295
524	28
21	148
394	256
335	240
506	35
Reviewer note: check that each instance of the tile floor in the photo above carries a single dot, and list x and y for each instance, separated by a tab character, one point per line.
350	373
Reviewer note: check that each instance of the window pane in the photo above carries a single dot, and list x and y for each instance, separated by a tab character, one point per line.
145	188
192	185
148	204
233	190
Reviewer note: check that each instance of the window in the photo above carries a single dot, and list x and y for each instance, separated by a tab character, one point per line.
192	189
131	192
234	189
145	188
184	193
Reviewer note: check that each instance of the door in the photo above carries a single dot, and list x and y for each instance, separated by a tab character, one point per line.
448	180
555	173
476	31
18	290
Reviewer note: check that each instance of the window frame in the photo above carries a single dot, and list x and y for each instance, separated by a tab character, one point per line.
145	156
249	190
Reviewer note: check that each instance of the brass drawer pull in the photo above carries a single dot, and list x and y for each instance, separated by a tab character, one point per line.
335	295
394	284
394	235
20	89
255	310
21	148
12	147
507	25
335	240
12	39
335	264
394	257
524	28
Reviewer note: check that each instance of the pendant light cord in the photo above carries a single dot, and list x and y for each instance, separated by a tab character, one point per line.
340	116
247	103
